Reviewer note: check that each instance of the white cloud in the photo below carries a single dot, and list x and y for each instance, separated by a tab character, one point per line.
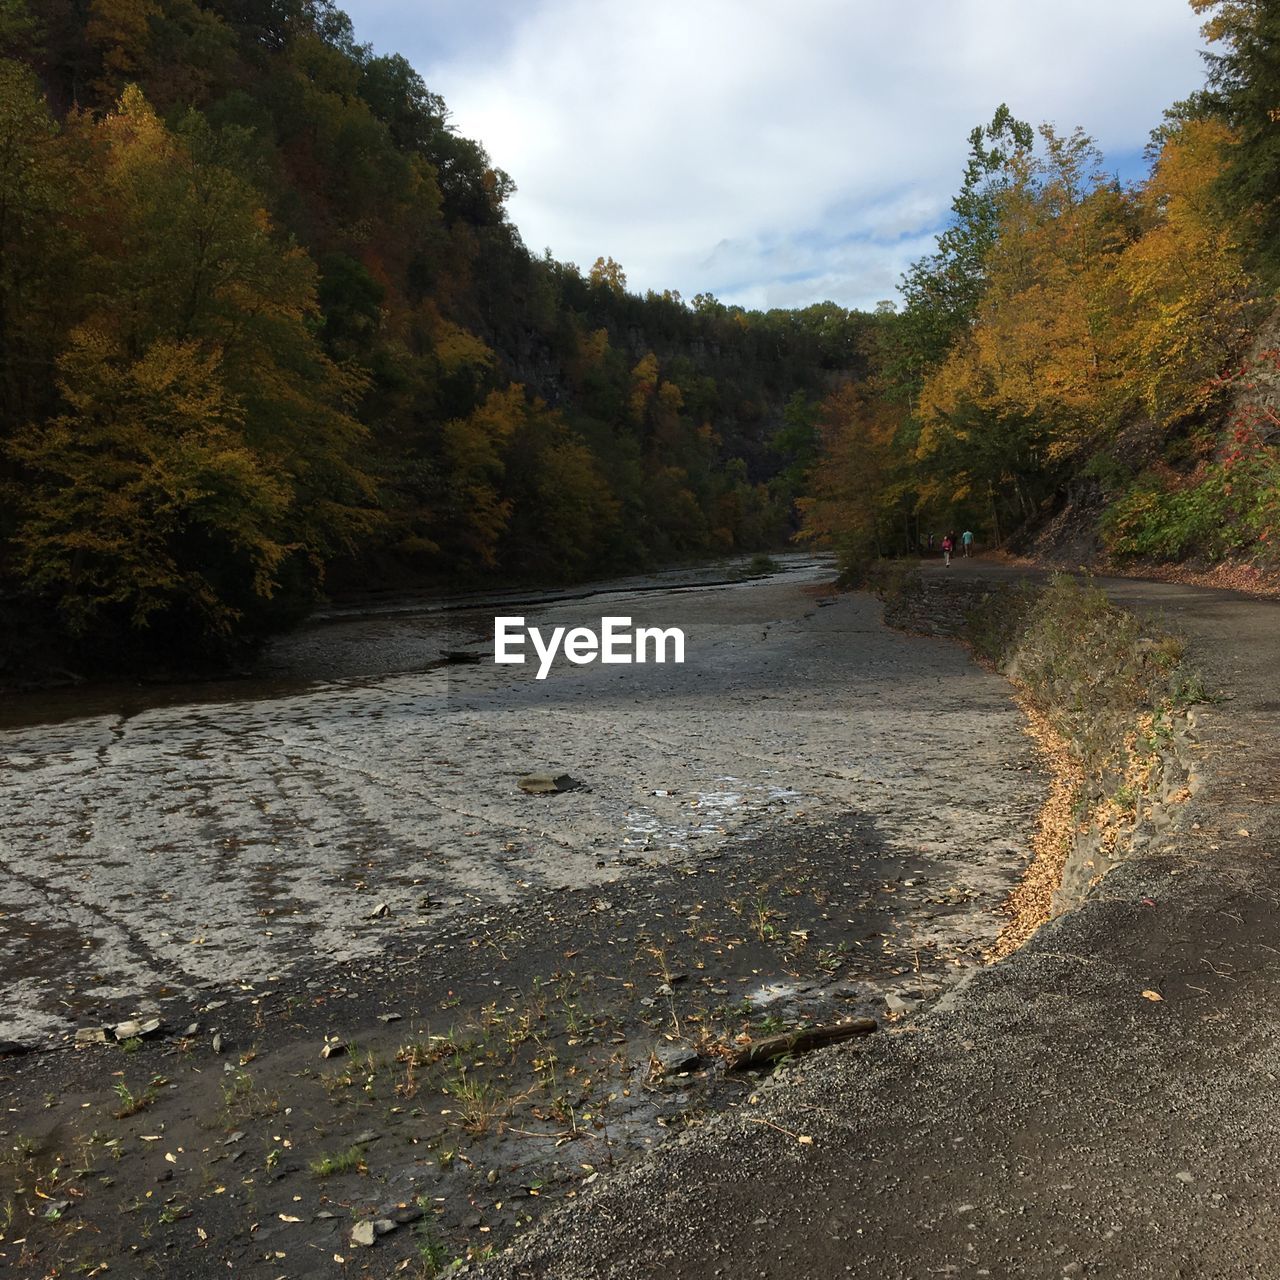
735	145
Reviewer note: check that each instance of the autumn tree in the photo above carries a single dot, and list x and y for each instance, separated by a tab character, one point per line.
1034	383
205	454
1188	301
857	486
607	274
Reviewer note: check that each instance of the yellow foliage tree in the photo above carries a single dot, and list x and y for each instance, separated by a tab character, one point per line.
206	448
148	493
644	385
607	274
1041	349
477	513
855	484
1189	299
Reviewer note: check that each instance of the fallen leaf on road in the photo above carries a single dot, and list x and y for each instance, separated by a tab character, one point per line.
805	1140
1152	995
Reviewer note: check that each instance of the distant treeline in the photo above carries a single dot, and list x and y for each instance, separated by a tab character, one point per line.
1078	346
266	330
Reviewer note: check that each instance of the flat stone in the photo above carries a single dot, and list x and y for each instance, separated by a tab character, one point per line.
675	1057
91	1035
547	784
136	1028
364	1234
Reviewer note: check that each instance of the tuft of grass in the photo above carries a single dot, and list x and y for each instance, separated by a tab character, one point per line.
333	1163
131	1103
477	1104
762	915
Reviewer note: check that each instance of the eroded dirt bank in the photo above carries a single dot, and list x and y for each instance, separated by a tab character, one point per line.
812	816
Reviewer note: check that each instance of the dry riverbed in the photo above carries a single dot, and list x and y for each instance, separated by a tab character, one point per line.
810	818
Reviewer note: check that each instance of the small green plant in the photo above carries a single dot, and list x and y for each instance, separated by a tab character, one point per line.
477	1104
131	1103
762	915
433	1253
330	1165
237	1086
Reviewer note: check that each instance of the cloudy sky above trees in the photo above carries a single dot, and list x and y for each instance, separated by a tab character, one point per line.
772	153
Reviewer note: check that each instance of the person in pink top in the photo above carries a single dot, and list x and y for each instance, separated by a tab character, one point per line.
948	546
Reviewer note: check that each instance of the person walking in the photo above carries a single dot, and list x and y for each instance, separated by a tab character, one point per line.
948	546
966	541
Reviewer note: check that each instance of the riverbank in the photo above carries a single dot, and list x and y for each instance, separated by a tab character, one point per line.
814	819
1097	1103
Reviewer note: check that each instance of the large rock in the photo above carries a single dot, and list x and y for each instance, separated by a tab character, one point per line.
674	1058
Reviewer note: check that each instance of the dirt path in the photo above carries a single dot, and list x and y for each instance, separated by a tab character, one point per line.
810	818
1045	1119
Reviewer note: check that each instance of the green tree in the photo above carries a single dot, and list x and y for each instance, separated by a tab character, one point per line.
941	291
38	275
1244	88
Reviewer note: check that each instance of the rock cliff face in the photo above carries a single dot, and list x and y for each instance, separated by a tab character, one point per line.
1256	397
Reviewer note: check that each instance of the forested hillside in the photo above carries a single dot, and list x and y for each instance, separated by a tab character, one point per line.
1082	361
267	331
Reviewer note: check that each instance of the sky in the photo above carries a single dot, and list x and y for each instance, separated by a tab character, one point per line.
773	152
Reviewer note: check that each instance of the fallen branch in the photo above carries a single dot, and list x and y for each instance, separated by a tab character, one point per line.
793	1042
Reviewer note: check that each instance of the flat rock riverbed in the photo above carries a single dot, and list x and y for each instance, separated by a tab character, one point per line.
810	816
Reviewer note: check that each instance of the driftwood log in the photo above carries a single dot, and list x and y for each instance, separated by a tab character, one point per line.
769	1050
